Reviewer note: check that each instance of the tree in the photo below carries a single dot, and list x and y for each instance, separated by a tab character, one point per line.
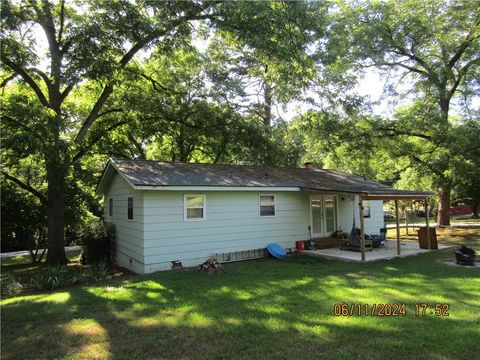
436	45
256	79
466	164
97	47
176	116
91	45
23	220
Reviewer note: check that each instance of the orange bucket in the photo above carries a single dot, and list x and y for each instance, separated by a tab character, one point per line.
300	245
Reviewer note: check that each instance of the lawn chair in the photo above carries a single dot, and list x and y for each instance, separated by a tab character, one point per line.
380	240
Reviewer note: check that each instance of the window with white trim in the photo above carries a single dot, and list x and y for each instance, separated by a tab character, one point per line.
130	208
110	207
267	205
194	207
366	208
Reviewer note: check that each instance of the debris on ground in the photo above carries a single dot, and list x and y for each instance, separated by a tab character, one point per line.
211	266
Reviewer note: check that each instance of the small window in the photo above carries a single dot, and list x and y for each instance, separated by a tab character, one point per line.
130	208
110	207
194	207
366	208
267	205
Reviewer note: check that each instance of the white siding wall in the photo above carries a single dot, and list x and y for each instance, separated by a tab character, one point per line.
375	222
346	208
233	223
128	233
345	213
158	233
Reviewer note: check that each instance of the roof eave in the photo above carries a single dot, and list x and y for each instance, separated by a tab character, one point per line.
100	189
393	196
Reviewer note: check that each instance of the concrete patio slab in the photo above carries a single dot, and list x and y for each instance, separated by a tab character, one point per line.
407	248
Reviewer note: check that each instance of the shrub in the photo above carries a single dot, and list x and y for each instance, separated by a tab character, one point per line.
97	243
49	278
95	272
9	284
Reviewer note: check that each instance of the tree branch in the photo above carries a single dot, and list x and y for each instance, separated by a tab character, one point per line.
123	63
96	139
401	132
464	45
109	112
426	164
67	91
94	113
137	145
62	20
461	74
42	75
20	124
28	79
8	79
26	187
159	87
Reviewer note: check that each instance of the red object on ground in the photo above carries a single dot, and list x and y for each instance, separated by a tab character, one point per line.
461	210
300	245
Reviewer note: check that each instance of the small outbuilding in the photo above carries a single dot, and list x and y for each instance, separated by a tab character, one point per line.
171	213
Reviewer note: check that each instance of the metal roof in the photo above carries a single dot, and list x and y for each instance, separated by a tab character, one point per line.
156	174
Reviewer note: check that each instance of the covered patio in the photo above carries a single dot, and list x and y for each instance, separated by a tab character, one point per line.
390	251
393	248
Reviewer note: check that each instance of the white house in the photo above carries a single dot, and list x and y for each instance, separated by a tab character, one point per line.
187	212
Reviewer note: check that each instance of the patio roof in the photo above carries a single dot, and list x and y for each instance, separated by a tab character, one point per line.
385	196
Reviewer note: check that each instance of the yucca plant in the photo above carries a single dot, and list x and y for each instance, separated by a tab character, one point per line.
49	278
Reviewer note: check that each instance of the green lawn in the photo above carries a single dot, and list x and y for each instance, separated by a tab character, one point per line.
255	310
464	219
448	236
22	269
26	259
421	220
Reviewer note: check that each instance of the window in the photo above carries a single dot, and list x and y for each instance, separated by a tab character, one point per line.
110	207
267	205
366	209
194	207
130	208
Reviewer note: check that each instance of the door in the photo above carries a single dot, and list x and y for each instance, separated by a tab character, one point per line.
323	213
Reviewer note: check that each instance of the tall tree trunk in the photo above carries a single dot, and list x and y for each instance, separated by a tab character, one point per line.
56	175
267	119
443	216
267	105
475	209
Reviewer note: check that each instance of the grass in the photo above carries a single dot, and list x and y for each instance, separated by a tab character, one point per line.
449	236
254	310
22	269
421	220
464	219
27	260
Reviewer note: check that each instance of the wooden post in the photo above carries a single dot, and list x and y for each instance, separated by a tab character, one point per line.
427	223
406	218
362	229
398	227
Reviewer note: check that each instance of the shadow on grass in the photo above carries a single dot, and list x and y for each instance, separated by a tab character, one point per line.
260	309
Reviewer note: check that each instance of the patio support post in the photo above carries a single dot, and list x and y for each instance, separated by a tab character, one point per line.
362	229
427	224
398	227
